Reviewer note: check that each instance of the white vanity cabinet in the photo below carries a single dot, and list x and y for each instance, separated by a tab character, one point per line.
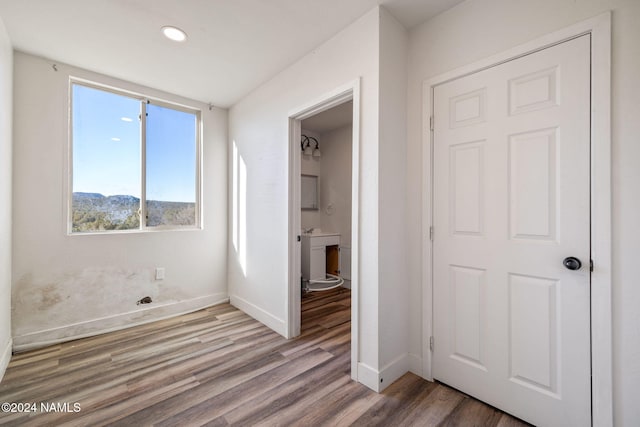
314	254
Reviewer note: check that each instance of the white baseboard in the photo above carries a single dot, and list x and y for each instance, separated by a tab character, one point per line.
117	322
369	376
379	380
394	370
415	364
278	325
5	358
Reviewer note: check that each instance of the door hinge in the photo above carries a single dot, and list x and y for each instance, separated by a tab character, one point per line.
431	122
591	265
431	233
298	238
431	343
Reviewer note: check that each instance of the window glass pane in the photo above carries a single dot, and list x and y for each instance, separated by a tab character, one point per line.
170	167
106	160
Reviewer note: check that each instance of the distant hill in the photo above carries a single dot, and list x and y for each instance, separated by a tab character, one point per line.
96	212
80	195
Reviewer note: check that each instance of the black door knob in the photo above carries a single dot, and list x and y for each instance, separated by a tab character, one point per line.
572	263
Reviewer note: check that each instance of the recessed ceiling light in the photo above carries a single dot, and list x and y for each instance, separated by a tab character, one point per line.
115	139
174	33
126	119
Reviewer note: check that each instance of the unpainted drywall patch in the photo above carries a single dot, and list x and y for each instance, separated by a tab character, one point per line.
41	303
87	300
49	297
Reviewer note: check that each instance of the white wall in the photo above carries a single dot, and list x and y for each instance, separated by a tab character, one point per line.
335	182
334	172
6	104
479	28
374	45
395	358
66	286
258	124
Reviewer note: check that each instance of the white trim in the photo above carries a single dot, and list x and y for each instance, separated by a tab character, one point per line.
601	312
5	358
355	231
345	266
117	322
368	377
601	277
278	325
338	96
344	93
415	364
118	89
295	224
142	226
379	380
393	370
427	246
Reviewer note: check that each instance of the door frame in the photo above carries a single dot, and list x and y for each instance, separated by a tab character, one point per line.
599	27
340	95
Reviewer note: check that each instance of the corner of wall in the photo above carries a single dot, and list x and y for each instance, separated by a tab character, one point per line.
393	247
262	316
64	286
6	206
378	380
5	358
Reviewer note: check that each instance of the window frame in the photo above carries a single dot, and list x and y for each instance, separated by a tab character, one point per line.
144	101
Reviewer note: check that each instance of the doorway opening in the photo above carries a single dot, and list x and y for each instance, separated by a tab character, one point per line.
323	214
325	194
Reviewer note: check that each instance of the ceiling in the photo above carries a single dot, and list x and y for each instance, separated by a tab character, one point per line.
233	46
328	120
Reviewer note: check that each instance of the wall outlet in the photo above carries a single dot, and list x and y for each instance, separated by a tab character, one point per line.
160	273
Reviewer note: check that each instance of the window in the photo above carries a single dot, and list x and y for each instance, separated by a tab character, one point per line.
132	158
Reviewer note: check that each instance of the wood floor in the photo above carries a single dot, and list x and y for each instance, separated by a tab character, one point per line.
219	367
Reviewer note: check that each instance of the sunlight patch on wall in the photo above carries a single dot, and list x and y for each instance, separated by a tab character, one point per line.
234	213
239	208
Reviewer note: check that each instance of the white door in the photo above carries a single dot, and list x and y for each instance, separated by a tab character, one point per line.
511	202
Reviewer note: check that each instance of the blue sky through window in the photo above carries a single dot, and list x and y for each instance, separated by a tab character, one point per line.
106	147
171	155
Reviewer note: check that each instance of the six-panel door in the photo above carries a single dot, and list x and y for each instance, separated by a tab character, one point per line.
511	202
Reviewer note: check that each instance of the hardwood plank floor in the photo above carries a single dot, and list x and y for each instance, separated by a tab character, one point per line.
219	367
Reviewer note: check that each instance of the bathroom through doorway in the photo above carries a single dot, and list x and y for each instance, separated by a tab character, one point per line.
323	215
